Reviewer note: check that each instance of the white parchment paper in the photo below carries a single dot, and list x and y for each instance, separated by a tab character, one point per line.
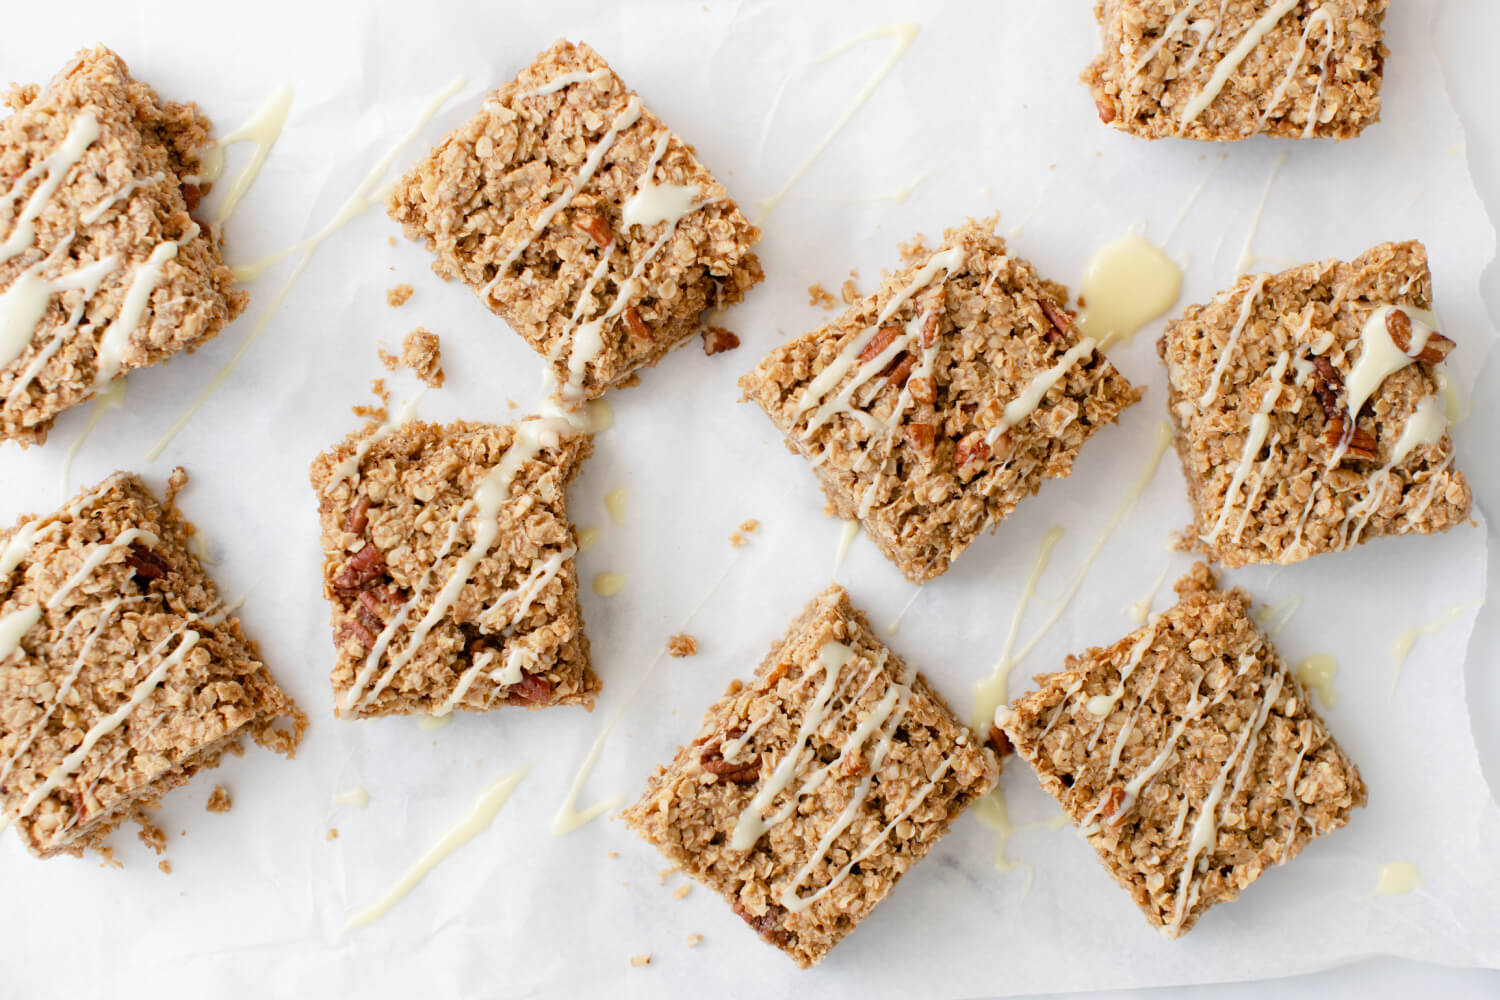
985	108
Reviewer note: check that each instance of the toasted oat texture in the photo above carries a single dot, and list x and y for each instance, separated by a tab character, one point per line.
121	675
579	218
398	296
102	269
440	602
1187	753
780	759
931	408
421	351
682	645
1227	69
1259	388
220	801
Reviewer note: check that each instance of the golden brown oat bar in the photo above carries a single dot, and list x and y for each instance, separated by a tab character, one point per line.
931	408
1309	412
1228	69
808	792
1187	754
581	219
448	561
102	269
121	671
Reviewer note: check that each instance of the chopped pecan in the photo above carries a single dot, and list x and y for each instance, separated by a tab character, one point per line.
971	454
1328	386
531	689
922	389
1059	319
716	340
1106	110
767	926
853	764
192	194
595	226
371	606
1114	802
1359	445
146	564
743	772
901	370
922	438
358	519
931	321
1434	351
360	631
879	342
364	569
638	327
999	742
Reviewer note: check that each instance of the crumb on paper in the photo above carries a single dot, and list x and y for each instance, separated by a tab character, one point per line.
377	413
849	292
737	537
397	296
175	482
693	940
332	834
150	834
512	404
220	801
681	645
612	855
107	857
165	866
750	527
390	241
914	249
717	340
666	873
421	351
682	890
819	296
641	960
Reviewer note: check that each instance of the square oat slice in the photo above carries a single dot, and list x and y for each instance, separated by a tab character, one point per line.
448	559
122	673
1310	411
931	408
1187	754
1222	70
102	269
581	220
809	791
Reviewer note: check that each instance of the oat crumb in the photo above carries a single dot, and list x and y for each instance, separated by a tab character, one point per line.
716	340
421	351
150	834
849	292
693	940
397	296
390	241
751	526
817	295
682	890
165	866
681	645
666	873
220	801
108	859
641	960
333	833
612	855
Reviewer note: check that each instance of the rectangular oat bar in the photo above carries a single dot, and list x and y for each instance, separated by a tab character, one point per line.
1309	410
448	560
122	673
102	268
580	219
933	407
810	791
1222	70
1187	754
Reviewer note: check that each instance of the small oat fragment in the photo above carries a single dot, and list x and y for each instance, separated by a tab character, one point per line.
612	855
738	540
693	940
421	351
165	866
332	834
681	645
666	873
641	960
175	483
682	890
220	801
107	857
150	834
717	340
397	296
849	293
390	241
751	526
819	296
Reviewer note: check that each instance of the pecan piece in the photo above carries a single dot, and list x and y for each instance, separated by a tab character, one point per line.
1106	110
146	564
767	926
596	227
999	742
360	631
1433	352
1114	805
1359	445
901	370
879	342
970	455
922	389
358	519
922	438
364	569
638	327
192	194
737	772
531	689
716	340
930	322
1060	320
1328	386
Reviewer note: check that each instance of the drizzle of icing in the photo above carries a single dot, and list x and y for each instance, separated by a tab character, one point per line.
81	135
1231	62
614	502
846	538
1260	425
112	398
1397	879
1316	673
1247	306
1030	398
1247	258
1322	15
1401	648
994	691
358	797
25	302
1129	283
262	128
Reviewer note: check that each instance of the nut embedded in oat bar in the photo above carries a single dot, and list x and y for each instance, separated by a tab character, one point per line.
102	269
1187	754
931	408
448	560
1310	413
810	790
121	672
1227	69
580	219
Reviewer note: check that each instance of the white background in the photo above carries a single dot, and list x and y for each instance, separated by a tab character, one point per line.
984	103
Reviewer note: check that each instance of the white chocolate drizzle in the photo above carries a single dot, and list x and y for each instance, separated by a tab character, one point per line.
1316	673
1397	878
1318	16
1401	648
351	465
654	203
1255	438
1424	428
1030	398
81	135
25	303
1247	306
562	80
994	691
1379	359
486	807
1129	283
1231	62
262	129
358	797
